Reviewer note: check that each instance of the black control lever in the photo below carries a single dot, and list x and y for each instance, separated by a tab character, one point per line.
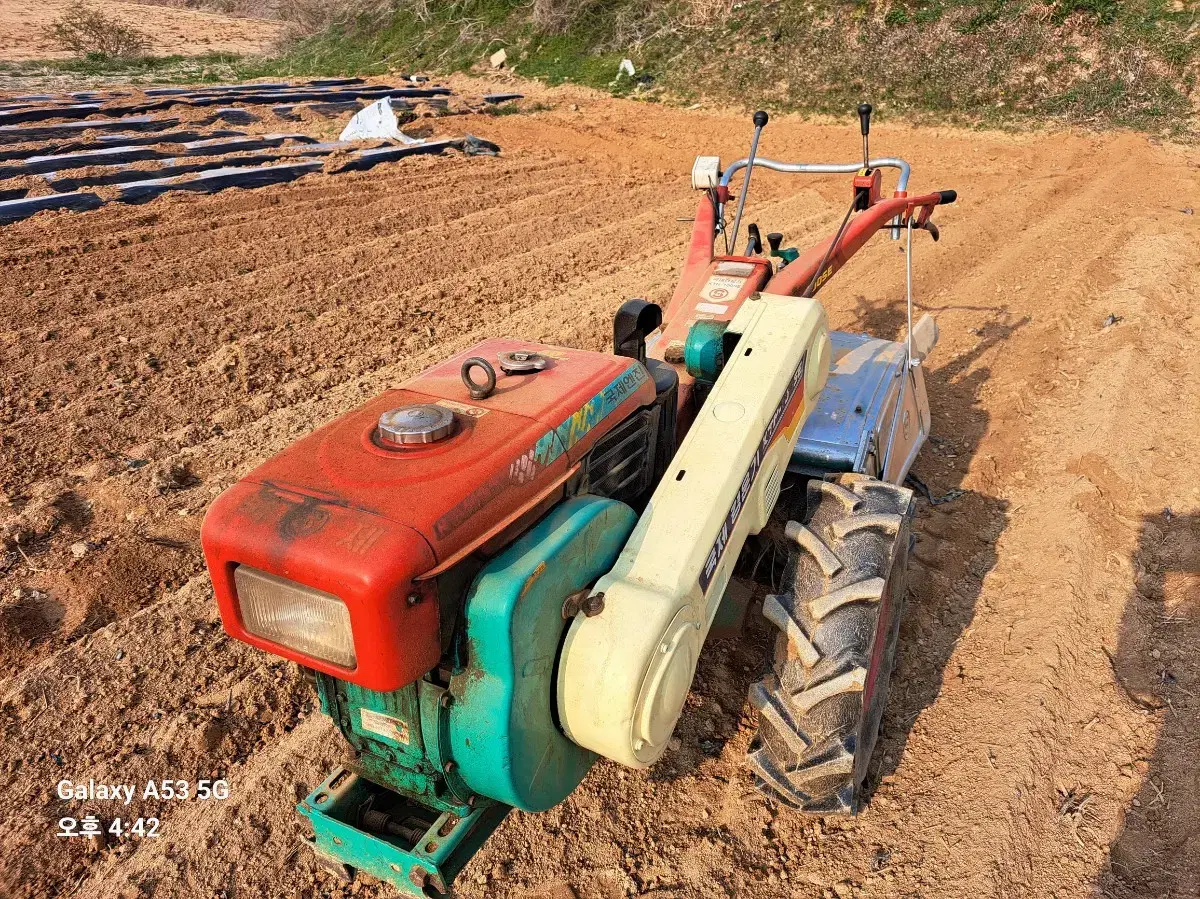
760	122
928	226
634	320
864	121
775	241
753	240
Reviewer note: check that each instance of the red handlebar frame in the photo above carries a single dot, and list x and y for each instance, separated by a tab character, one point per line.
792	280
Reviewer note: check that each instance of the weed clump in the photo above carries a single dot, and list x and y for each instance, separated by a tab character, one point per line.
89	32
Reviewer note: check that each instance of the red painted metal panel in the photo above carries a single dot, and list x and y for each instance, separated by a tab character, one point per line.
700	248
711	295
363	559
700	302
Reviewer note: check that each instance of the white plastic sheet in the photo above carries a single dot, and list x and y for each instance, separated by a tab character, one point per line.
376	122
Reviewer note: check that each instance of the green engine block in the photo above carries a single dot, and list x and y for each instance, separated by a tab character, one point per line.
436	767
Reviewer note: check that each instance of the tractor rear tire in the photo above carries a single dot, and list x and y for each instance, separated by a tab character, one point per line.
839	616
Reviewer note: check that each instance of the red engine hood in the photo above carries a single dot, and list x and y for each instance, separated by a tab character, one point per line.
341	513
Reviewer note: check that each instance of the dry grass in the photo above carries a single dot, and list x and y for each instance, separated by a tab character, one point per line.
87	31
554	16
707	12
558	16
305	18
248	9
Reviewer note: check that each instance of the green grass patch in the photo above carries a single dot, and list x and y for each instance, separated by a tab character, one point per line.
166	69
516	107
994	62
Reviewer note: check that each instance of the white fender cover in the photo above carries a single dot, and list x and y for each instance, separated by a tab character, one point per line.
625	673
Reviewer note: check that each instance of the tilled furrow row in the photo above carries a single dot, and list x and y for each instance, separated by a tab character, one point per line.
258	363
257	249
128	226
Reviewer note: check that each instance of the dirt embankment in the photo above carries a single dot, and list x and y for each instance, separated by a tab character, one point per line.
1041	735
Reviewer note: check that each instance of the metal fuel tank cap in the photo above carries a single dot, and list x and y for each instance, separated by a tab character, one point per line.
422	423
521	362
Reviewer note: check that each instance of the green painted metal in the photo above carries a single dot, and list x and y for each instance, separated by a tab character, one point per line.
502	729
448	763
787	254
447	841
400	738
703	353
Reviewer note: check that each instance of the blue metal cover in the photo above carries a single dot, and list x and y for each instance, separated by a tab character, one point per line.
837	435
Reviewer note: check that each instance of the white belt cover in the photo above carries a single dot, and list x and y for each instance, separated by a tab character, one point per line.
625	673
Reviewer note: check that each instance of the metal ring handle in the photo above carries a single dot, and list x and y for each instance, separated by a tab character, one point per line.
479	391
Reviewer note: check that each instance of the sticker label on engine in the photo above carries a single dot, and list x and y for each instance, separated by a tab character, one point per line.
549	447
721	288
779	419
554	443
463	408
386	726
742	269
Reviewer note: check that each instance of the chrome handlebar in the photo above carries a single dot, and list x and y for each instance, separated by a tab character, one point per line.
822	168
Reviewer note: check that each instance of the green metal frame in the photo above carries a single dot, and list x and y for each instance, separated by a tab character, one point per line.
418	869
399	738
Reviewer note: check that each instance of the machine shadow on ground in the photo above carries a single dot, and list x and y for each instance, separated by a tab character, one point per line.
954	551
1157	665
956	528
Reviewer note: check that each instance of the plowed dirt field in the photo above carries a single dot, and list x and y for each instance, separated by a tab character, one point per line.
1043	731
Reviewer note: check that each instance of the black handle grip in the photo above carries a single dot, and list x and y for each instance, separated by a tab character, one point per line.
864	118
946	197
754	241
760	119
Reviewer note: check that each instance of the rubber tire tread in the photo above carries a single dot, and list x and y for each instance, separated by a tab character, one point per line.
837	731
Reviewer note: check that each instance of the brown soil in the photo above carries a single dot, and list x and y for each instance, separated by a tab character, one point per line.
187	32
1043	728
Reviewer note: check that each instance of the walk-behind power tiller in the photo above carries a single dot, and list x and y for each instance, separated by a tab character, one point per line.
507	567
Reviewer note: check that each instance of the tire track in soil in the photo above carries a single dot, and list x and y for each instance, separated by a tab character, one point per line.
1004	702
